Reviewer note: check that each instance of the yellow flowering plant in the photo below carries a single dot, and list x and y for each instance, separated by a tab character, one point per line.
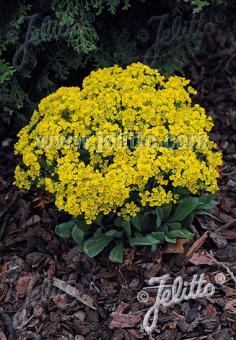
127	155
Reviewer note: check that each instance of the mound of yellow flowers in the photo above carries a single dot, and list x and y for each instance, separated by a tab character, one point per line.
127	139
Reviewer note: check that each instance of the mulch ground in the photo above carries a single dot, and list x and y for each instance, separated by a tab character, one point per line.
49	290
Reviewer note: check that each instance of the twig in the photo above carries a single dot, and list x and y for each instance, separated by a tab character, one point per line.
72	291
9	270
231	320
26	322
195	246
3	212
3	227
194	230
223	265
214	217
227	225
228	173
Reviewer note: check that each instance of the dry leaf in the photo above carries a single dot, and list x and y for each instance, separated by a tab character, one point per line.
24	284
229	291
120	320
129	257
42	200
201	257
231	306
218	239
121	307
176	248
32	220
135	334
210	310
60	301
153	271
228	234
196	245
33	232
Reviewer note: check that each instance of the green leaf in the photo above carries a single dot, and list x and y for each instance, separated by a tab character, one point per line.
206	203
98	220
160	212
64	230
188	220
114	233
201	212
77	235
117	253
159	217
141	240
148	223
170	240
136	221
120	222
158	235
127	228
81	246
166	210
207	198
98	232
153	248
148	213
6	71
185	207
82	225
184	233
163	228
94	245
173	225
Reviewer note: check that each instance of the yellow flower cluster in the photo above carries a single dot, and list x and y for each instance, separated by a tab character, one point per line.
129	138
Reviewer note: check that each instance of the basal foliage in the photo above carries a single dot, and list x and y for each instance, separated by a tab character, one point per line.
145	144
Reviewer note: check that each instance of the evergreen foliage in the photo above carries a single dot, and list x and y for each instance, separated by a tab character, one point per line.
45	45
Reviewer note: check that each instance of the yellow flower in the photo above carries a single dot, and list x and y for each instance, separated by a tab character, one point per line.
128	139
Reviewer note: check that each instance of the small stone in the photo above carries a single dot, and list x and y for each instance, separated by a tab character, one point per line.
80	315
147	266
231	183
6	142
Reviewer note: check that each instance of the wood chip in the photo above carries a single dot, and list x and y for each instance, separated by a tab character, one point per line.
196	245
201	257
74	292
228	225
120	320
176	248
24	283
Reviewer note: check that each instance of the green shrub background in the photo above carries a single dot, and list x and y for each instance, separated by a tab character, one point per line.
101	33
